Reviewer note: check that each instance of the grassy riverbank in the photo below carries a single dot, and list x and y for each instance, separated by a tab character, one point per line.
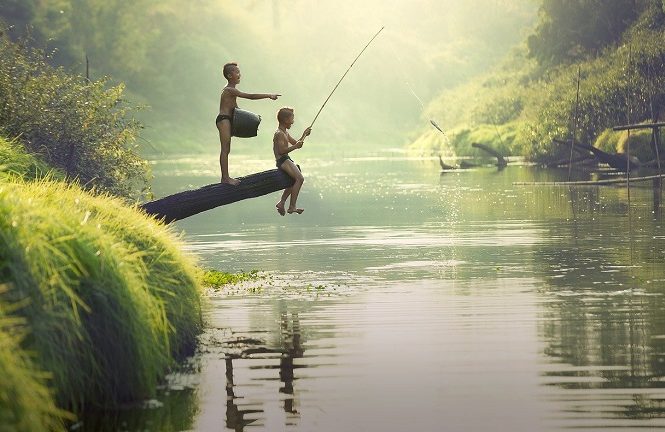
97	300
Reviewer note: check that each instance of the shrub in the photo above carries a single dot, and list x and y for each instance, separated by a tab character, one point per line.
82	128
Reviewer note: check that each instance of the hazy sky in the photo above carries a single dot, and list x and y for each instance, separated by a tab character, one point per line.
426	46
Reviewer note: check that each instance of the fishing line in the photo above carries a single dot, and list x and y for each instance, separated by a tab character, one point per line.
413	92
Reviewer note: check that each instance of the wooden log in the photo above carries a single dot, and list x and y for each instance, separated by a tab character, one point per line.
618	161
500	161
445	166
188	203
639	126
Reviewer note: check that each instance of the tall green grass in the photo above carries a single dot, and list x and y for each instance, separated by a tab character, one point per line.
459	140
617	142
107	298
16	162
26	402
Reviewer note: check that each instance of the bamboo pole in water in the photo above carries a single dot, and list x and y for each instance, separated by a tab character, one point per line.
577	104
589	182
630	60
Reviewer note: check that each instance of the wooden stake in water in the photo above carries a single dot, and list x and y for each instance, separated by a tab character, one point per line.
628	114
577	105
340	80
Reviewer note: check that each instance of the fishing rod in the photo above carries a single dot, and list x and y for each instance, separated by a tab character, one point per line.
340	80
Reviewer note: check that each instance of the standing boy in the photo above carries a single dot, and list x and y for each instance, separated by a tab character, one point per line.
281	149
224	120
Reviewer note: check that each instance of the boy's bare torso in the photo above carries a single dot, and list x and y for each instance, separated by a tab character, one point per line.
227	102
276	142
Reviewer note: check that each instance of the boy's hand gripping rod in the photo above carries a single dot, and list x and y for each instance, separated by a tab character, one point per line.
340	80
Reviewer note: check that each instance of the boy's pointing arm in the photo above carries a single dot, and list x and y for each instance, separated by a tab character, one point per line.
254	96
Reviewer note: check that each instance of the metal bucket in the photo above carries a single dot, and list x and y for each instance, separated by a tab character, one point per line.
245	123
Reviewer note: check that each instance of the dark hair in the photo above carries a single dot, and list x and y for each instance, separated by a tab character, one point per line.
226	70
284	113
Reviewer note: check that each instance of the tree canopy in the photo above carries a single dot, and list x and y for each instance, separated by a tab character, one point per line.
570	30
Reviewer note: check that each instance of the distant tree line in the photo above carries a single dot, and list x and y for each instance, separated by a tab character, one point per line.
571	30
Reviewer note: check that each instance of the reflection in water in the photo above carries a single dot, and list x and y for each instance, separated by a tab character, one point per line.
405	300
605	322
235	417
293	350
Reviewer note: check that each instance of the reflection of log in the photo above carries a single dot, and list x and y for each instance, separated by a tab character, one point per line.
500	161
189	203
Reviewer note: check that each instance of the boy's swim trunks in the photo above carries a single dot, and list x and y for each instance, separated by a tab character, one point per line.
282	159
221	117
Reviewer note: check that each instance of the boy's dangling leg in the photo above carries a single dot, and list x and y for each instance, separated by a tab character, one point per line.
282	201
291	169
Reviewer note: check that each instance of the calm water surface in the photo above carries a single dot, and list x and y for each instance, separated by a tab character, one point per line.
408	300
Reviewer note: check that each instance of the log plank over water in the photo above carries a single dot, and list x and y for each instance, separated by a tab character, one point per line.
188	203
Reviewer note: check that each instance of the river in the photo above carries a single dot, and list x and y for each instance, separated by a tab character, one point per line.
405	299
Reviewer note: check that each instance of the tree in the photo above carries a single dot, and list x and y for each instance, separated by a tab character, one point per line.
572	29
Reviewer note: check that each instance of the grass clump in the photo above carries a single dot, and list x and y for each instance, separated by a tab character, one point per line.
16	162
107	298
217	279
617	142
459	140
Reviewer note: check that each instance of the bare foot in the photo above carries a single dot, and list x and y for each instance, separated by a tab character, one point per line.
231	181
280	208
295	210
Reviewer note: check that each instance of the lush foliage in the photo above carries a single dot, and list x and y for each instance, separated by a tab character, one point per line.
101	294
81	128
573	29
624	84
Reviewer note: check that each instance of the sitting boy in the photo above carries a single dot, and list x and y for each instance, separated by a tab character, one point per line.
281	148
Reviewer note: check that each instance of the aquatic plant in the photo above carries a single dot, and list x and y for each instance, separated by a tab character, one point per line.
216	279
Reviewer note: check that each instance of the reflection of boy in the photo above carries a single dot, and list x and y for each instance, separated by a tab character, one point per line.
223	121
281	148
